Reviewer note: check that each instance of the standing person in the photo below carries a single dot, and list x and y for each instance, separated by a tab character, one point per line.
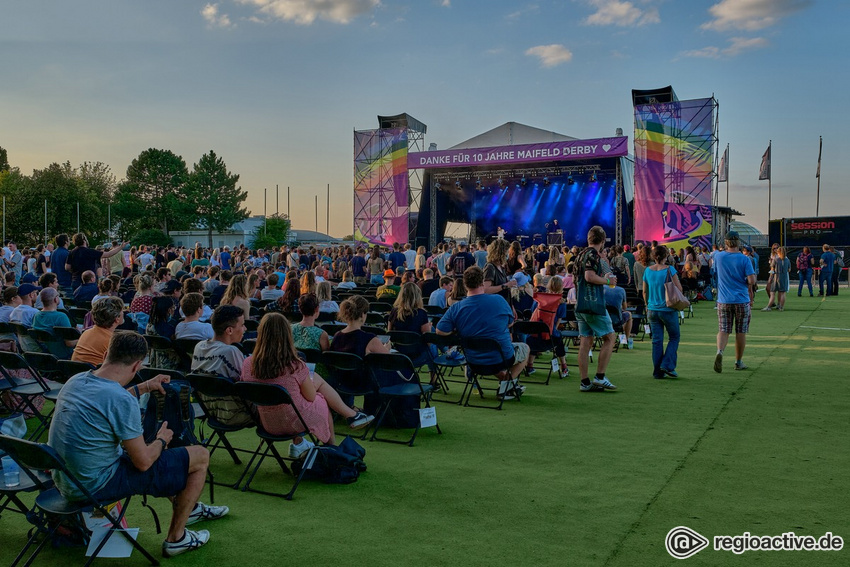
836	272
781	268
736	280
82	258
496	278
58	260
660	316
15	262
805	261
376	266
640	265
358	267
481	254
827	265
460	260
593	319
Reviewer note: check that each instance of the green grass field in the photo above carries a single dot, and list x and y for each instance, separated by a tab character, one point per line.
570	478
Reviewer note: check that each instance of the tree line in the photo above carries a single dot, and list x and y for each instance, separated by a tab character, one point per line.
158	194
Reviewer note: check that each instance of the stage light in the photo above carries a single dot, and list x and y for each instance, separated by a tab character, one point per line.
594	177
546	181
522	181
458	185
437	185
570	180
478	183
501	182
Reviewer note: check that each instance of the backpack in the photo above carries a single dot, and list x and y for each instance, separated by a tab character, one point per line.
547	308
175	407
333	464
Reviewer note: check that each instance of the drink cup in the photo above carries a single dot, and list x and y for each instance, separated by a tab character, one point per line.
11	472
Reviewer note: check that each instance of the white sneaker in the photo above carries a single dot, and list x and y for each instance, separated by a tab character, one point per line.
204	512
605	384
565	372
295	451
190	540
631	344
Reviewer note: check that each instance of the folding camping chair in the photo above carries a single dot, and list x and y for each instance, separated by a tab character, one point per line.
534	332
475	373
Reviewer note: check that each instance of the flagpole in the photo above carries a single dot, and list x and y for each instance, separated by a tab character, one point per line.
769	181
817	200
726	166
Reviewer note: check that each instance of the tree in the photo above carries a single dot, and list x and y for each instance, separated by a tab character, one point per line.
4	159
273	232
213	194
157	180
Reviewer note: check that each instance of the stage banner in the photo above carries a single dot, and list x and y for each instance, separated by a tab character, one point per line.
381	195
519	154
674	164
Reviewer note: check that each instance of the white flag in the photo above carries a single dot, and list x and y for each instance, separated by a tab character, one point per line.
723	170
764	170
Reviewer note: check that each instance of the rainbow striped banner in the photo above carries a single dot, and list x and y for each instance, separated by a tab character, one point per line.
674	165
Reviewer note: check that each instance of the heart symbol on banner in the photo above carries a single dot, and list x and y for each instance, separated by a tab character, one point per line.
606	147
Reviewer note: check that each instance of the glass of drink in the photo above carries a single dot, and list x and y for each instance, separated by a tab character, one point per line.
11	472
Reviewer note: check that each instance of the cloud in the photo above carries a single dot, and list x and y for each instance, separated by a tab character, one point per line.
551	55
736	46
530	9
305	12
446	3
213	19
620	13
751	15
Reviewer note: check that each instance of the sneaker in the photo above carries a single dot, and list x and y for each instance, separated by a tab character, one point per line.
718	363
671	373
506	396
565	372
203	512
529	370
605	384
768	308
190	540
739	365
631	344
587	387
360	420
295	451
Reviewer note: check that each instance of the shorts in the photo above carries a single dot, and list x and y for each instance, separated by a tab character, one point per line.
626	317
521	352
590	325
167	477
740	313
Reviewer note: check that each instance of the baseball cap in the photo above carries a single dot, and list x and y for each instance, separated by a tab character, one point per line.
521	278
389	274
26	289
171	286
732	235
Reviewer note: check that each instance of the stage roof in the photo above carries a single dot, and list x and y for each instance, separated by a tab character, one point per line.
510	134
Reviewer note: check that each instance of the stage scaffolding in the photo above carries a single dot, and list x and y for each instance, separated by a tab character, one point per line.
416	131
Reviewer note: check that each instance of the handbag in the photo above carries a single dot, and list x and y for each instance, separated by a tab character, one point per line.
673	297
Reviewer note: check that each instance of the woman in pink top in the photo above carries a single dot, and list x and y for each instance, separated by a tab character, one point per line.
275	361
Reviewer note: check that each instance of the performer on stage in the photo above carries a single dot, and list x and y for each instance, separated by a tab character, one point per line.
500	233
554	226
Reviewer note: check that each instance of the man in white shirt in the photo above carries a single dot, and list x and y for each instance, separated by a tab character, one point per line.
191	327
410	257
144	259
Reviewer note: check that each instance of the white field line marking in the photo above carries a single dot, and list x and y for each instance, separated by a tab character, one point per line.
824	328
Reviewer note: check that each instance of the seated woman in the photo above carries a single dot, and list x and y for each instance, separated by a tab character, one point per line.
353	339
275	361
161	325
306	334
555	287
326	302
346	282
458	293
107	314
408	314
237	294
143	299
105	288
689	277
288	302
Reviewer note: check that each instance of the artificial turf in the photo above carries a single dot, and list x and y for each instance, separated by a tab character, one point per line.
570	478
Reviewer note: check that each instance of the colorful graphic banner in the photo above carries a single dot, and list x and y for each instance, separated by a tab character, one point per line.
674	164
381	195
503	155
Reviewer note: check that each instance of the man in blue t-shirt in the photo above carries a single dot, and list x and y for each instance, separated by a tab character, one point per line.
487	316
396	258
736	282
827	265
58	260
224	258
97	430
358	267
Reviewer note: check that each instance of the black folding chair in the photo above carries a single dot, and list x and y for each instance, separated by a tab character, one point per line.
347	374
271	395
380	307
46	364
78	315
535	337
616	323
476	373
186	349
376	320
13	365
332	328
45	341
69	368
30	481
380	365
213	387
41	457
157	344
446	365
67	333
247	346
326	317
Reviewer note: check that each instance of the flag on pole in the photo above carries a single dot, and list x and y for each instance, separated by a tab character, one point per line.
723	170
820	152
764	170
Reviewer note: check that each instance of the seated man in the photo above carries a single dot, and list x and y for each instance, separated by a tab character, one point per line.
221	356
96	413
388	291
487	316
616	297
48	280
107	314
25	312
88	290
49	317
191	327
438	296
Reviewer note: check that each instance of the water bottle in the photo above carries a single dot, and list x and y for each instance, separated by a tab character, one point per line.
11	472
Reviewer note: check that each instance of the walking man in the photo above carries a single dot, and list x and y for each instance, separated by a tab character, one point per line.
736	283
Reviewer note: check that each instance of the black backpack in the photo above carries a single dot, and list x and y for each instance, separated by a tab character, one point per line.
175	407
333	464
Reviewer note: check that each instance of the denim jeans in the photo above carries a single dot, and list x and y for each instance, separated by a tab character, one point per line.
805	278
826	278
661	357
